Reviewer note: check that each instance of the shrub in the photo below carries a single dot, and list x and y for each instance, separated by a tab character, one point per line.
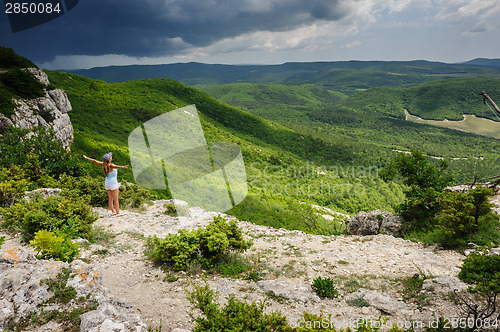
205	245
17	144
57	246
425	182
234	316
93	192
324	287
463	215
12	185
2	240
9	59
482	271
22	83
134	196
50	214
358	302
89	189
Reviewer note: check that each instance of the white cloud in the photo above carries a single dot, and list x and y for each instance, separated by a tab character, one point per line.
354	43
456	11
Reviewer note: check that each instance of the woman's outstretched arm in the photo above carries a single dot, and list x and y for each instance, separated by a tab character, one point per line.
93	160
118	166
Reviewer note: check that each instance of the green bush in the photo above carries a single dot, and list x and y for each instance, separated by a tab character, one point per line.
425	183
22	83
324	287
483	271
12	185
49	214
9	59
234	316
89	189
204	245
55	245
134	196
240	316
463	215
18	144
2	240
93	192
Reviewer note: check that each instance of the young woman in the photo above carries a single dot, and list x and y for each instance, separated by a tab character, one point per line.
111	183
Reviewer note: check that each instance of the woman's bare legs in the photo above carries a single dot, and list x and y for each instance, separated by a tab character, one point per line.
110	201
114	198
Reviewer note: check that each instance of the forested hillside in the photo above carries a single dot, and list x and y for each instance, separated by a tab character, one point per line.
345	76
332	174
372	121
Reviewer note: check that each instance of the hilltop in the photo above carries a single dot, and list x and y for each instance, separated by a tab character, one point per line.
374	268
344	76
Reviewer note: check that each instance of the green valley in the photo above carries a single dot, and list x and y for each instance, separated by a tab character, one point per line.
283	167
373	121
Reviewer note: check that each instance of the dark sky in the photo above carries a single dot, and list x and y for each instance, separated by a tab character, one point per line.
100	32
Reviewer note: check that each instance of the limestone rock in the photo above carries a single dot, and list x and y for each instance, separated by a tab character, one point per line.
43	192
444	284
378	300
49	111
374	222
495	252
22	290
289	290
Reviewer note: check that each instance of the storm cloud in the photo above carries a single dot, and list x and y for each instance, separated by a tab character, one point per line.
162	27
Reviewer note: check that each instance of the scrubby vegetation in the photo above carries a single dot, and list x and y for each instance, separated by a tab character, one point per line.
482	271
237	315
36	160
204	246
324	287
452	219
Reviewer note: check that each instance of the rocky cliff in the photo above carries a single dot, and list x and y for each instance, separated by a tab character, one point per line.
49	111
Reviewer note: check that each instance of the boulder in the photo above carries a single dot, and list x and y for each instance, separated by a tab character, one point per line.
373	223
383	302
289	290
444	284
49	111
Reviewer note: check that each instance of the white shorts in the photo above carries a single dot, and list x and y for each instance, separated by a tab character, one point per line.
112	186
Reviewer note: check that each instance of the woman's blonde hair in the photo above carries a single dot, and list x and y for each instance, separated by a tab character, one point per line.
106	167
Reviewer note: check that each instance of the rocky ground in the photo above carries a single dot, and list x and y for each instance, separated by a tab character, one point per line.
369	267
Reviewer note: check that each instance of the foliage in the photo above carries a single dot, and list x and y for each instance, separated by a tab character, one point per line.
12	185
324	287
2	240
358	302
49	214
425	182
9	59
204	245
234	316
465	216
20	146
22	83
62	292
237	315
56	245
483	272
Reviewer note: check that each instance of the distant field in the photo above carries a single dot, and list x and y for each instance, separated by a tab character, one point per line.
470	124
